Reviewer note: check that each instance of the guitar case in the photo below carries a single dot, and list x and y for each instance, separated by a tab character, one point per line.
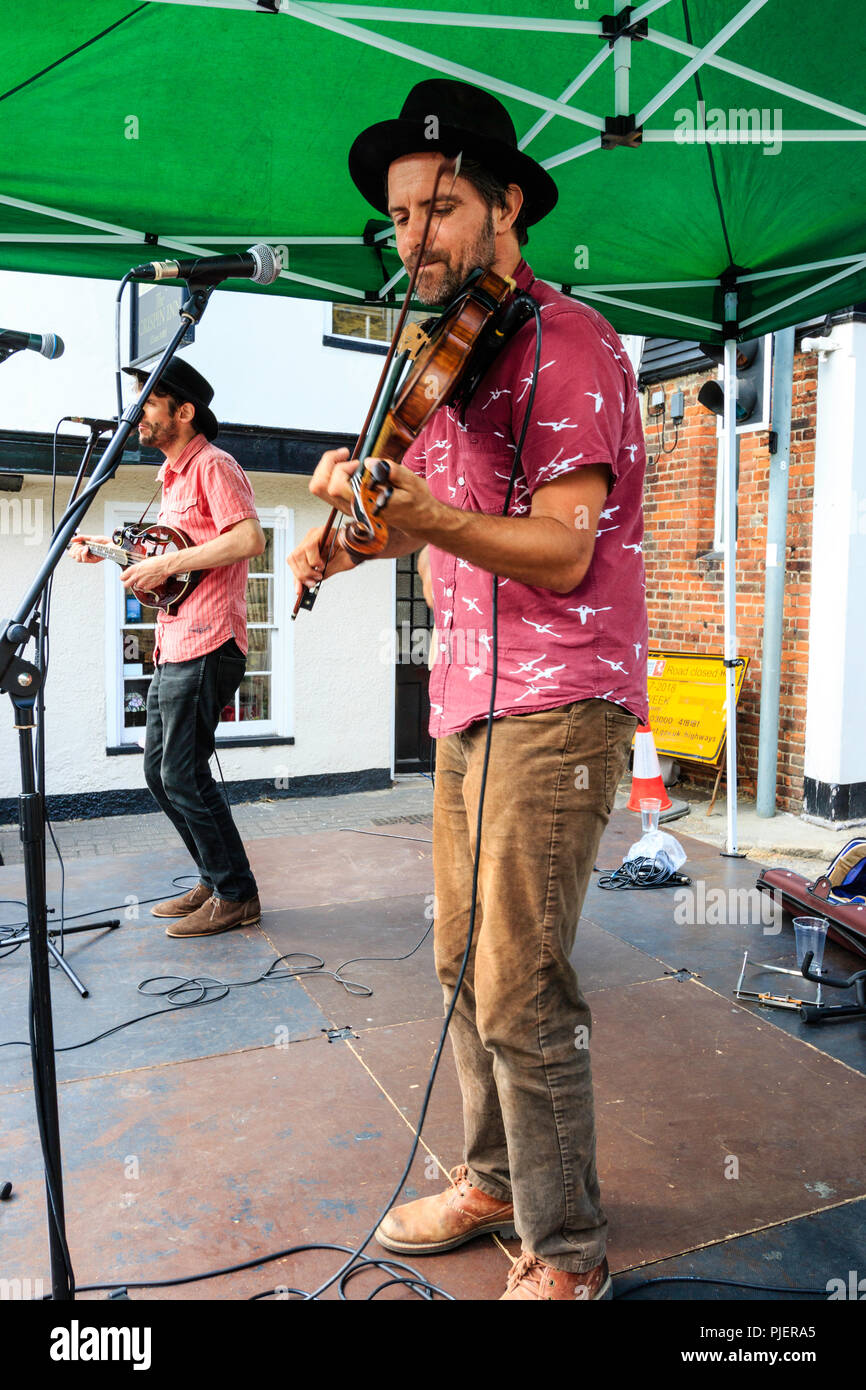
839	894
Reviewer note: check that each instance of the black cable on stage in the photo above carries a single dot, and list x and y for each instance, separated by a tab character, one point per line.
383	1263
352	1266
471	930
643	872
727	1283
357	1260
211	990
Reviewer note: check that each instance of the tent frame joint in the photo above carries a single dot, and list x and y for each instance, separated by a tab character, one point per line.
728	283
619	26
373	230
621	130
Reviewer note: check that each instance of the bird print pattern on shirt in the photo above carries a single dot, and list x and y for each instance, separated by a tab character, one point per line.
552	646
542	630
583	611
526	382
558	466
557	425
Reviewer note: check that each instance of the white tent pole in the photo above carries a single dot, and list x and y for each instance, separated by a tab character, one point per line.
566	95
654	285
645	309
700	57
125	233
575	152
730	588
622	67
804	294
444	66
798	269
763	80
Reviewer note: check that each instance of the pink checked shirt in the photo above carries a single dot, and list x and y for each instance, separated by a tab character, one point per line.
204	492
553	648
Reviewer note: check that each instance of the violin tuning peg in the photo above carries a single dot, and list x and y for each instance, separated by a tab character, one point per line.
384	499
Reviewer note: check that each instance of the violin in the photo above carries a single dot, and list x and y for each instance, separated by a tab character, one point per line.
438	363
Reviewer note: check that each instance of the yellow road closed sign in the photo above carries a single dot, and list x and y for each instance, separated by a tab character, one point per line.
687	704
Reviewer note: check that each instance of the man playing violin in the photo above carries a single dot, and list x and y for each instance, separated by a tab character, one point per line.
571	681
200	651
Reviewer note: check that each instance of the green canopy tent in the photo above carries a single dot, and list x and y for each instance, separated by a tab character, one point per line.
709	153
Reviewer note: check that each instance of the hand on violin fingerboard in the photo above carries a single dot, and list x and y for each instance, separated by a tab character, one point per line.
330	481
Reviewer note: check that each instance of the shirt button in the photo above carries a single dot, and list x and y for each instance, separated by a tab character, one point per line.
448	593
461	482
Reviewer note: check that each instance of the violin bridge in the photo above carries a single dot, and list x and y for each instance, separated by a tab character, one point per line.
412	340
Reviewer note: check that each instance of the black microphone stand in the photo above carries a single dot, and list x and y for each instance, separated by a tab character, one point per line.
22	681
22	938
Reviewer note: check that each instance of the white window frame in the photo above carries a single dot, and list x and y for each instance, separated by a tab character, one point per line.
281	724
754	427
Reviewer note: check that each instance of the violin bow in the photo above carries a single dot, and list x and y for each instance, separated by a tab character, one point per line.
330	529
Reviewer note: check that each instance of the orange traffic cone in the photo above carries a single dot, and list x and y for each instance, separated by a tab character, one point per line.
646	782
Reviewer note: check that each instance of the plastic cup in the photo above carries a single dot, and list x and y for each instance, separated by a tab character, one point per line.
649	814
811	935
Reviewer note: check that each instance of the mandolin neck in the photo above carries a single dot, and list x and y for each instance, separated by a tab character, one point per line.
111	552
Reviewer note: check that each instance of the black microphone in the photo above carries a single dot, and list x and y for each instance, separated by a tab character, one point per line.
103	426
48	343
259	264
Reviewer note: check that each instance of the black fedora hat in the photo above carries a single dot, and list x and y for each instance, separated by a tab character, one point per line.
184	382
454	117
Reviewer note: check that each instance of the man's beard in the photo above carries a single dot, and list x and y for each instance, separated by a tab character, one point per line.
159	436
444	280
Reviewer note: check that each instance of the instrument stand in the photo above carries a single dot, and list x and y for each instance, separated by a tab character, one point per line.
22	681
834	1013
60	960
776	1001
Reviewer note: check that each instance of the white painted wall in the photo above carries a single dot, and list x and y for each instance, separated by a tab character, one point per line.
262	354
835	730
266	360
342	680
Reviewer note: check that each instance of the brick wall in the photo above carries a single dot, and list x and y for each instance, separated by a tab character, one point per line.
684	576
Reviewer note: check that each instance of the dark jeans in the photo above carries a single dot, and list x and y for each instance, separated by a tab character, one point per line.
183	710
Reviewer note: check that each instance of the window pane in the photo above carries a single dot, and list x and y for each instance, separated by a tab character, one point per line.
138	650
134	703
259	601
368	323
255	697
259	654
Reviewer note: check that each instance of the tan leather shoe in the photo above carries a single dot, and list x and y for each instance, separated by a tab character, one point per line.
531	1278
450	1218
182	907
215	916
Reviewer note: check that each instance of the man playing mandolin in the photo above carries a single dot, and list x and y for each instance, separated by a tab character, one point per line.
200	651
570	688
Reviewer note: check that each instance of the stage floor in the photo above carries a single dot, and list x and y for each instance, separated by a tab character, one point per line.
728	1135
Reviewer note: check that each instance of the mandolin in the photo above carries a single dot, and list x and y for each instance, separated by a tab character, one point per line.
131	544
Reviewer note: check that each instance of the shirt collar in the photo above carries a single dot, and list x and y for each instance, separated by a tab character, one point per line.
176	466
523	275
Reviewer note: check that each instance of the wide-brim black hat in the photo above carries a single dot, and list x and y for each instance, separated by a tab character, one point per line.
454	117
184	382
